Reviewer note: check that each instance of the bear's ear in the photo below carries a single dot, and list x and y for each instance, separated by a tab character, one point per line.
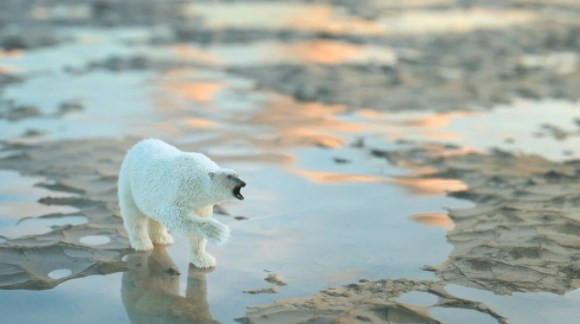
211	175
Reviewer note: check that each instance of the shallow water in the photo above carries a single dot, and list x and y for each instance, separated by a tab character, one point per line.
19	205
311	219
547	128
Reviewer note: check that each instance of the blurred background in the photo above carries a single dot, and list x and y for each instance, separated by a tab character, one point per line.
422	152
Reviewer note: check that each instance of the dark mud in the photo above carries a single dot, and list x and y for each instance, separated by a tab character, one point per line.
522	235
365	302
450	72
86	169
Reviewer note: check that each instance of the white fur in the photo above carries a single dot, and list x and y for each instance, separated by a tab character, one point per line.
161	187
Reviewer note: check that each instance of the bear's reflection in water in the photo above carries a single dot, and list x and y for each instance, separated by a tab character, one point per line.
150	291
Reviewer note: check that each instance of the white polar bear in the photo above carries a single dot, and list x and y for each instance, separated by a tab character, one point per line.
161	187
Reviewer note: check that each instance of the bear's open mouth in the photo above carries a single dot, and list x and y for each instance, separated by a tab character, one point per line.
237	192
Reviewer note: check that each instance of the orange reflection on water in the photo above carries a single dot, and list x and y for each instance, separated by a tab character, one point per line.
430	186
276	121
434	219
420	169
10	53
308	124
192	53
332	52
197	91
417	126
435	120
397	133
269	158
198	122
304	136
7	70
323	18
326	52
444	136
331	177
410	126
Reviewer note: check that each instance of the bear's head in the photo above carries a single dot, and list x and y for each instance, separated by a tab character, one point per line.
227	184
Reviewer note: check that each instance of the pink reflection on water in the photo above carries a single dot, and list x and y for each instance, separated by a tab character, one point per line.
434	219
429	186
322	177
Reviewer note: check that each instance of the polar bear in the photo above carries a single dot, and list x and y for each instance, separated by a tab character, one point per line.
161	187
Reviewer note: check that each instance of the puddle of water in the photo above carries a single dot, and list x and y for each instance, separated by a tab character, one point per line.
458	315
48	92
86	45
59	273
433	186
491	129
440	220
533	308
37	226
418	298
87	300
94	240
19	196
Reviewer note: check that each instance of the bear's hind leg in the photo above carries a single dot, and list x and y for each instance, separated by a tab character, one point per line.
158	233
134	220
136	226
197	254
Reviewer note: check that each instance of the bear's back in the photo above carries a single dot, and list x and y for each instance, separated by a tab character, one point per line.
160	174
198	161
154	148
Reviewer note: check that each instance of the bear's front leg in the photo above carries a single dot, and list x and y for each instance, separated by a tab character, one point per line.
185	222
197	254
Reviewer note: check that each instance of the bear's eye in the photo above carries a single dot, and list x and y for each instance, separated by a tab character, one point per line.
230	176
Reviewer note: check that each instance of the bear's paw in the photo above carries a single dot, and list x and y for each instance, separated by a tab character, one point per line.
142	244
214	231
204	260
